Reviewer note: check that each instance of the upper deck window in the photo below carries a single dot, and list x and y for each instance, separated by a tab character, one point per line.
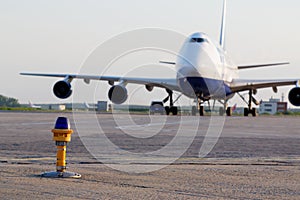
198	40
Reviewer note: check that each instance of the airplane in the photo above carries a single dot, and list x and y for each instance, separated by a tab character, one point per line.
204	72
234	107
89	107
31	105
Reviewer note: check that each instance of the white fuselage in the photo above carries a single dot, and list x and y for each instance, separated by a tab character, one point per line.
203	67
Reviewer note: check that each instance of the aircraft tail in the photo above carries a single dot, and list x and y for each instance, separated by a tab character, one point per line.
234	107
223	26
86	105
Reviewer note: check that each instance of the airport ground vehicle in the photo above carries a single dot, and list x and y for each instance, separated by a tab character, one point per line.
157	107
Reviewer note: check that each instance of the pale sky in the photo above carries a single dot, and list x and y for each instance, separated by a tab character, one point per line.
58	35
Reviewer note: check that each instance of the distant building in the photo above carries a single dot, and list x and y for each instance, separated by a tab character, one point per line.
76	106
294	110
282	107
272	106
102	106
59	107
126	107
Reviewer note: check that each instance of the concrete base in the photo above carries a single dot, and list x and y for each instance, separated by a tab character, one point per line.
55	174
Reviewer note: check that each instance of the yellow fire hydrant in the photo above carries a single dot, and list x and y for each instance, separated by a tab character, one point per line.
61	135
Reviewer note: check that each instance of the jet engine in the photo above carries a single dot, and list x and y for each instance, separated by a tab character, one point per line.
62	89
294	96
117	94
149	87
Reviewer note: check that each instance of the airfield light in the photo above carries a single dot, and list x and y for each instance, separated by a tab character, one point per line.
61	135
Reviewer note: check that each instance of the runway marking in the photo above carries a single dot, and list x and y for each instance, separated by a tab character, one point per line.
26	124
151	124
36	123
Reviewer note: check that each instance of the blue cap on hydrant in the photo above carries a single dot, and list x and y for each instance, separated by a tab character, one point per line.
62	123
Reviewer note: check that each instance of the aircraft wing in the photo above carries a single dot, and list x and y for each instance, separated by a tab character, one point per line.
262	65
151	82
238	85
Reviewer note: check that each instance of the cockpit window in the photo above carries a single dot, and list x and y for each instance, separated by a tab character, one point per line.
198	40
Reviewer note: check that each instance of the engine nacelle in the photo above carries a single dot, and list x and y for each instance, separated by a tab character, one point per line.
117	94
62	89
294	96
149	87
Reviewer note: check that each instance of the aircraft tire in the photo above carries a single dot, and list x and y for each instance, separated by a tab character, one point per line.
201	111
174	110
254	112
167	108
246	112
194	110
229	111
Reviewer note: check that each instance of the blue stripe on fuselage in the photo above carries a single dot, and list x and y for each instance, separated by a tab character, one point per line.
204	87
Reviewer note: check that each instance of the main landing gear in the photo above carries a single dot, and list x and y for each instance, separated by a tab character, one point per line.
201	110
200	107
222	110
170	109
250	110
225	109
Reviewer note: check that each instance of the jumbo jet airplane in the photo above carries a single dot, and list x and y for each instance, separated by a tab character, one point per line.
31	105
90	107
204	72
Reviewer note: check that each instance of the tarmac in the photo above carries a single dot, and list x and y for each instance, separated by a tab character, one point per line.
253	158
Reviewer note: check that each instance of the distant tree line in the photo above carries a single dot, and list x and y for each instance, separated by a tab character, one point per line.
8	102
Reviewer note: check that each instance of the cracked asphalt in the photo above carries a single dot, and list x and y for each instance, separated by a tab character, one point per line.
254	158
